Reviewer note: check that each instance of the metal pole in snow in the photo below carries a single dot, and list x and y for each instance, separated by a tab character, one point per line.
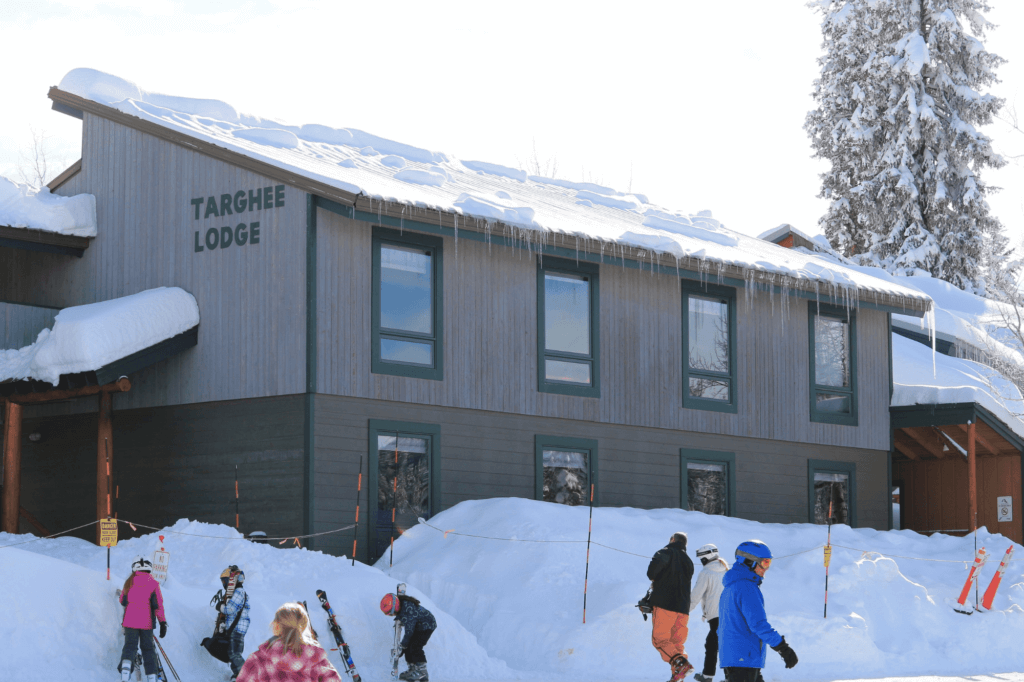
394	506
828	549
236	497
359	496
586	574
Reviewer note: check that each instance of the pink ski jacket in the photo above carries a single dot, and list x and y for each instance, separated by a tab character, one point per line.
271	663
142	602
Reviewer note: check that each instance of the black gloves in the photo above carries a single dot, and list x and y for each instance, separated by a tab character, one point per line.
787	653
163	630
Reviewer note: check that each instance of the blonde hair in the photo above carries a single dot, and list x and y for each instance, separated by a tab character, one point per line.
289	623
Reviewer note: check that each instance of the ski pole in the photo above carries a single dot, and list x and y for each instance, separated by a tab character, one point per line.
586	573
359	497
169	664
828	552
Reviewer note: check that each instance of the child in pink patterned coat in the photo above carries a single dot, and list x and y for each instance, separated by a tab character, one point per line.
144	607
289	656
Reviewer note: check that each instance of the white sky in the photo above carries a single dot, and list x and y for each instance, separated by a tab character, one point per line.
699	105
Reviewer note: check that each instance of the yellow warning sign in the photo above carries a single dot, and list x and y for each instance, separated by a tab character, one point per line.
108	533
828	555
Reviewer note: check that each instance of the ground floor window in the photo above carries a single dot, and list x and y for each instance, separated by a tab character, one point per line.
708	481
403	462
831	490
566	470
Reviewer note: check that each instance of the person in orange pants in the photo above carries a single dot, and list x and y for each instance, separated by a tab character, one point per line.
670	572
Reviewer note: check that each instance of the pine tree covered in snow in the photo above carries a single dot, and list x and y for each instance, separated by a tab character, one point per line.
899	100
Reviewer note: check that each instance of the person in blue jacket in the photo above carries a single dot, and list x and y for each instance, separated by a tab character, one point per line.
743	629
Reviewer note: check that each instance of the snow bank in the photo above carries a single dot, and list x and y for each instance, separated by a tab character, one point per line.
87	337
953	381
37	209
361	163
887	617
60	615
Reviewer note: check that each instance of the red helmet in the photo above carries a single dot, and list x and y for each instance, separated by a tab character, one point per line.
390	604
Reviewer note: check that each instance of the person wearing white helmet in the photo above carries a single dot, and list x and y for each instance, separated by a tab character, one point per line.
144	610
706	592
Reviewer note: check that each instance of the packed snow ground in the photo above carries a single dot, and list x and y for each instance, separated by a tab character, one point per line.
87	337
513	610
37	209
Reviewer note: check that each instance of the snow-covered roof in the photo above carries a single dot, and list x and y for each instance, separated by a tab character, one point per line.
953	381
87	337
363	164
36	209
773	235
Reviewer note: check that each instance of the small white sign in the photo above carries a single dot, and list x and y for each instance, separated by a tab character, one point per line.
161	560
1004	508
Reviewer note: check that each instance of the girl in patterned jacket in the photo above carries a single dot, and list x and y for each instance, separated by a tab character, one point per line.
418	624
291	655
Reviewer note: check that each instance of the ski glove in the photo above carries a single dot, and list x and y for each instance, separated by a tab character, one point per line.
787	653
163	629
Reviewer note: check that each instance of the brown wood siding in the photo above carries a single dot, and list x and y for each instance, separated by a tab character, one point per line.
933	494
488	454
251	298
171	463
490	347
21	324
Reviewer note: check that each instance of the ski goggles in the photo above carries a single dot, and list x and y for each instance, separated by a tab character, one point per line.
763	563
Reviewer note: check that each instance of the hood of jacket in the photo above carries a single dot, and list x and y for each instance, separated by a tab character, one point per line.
718	566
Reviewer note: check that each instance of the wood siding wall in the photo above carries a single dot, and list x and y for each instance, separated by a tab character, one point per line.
251	298
933	494
21	324
487	454
490	348
172	463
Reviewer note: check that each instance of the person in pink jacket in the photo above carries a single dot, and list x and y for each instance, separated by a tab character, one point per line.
144	607
291	655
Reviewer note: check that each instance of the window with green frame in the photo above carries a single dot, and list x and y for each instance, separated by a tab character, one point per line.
403	478
407	315
709	351
568	331
566	470
708	481
832	371
831	488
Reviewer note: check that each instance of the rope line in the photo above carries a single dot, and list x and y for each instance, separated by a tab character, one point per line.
70	530
218	537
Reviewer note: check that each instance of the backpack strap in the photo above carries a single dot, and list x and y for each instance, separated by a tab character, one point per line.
238	615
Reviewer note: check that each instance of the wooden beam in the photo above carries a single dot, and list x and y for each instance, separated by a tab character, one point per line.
122	385
972	477
928	440
906	450
979	438
34	522
11	505
104	457
907	444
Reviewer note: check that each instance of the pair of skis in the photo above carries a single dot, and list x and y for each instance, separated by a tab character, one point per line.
972	579
339	637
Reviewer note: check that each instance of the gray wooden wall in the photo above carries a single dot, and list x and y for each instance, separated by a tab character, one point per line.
21	324
487	454
171	463
490	361
251	298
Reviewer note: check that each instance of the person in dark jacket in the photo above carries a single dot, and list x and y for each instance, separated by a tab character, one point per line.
670	572
743	628
418	625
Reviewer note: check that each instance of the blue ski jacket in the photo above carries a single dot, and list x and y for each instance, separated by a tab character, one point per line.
414	617
744	634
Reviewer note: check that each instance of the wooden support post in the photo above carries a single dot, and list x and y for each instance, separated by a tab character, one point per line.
972	478
12	467
104	445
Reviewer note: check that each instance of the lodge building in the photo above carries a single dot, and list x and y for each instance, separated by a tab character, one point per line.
445	355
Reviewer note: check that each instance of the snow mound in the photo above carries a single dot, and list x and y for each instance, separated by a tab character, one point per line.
64	612
37	209
361	163
524	600
85	338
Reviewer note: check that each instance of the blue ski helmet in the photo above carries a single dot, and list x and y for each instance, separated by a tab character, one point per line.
752	552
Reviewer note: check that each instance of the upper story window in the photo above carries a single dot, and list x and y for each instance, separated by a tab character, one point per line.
407	314
709	353
833	364
567	323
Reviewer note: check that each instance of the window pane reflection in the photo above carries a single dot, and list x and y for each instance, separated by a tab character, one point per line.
566	477
709	389
566	313
832	402
405	289
407	352
567	372
708	331
831	352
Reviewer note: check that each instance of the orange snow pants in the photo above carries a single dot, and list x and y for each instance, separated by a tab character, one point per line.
669	635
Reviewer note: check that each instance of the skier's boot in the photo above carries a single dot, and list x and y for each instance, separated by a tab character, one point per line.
126	670
700	677
680	668
151	678
407	675
422	672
